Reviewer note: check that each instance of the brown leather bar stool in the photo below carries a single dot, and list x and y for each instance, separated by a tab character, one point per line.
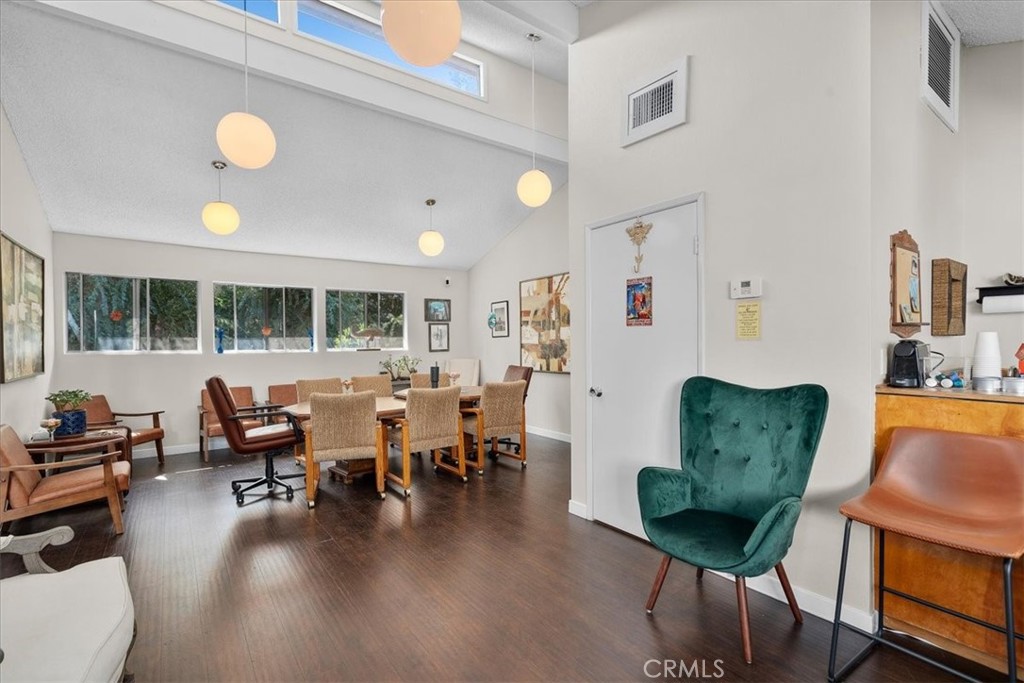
961	491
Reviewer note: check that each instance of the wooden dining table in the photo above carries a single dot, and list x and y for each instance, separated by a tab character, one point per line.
391	407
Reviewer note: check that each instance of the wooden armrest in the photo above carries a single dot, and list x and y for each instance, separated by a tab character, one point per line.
151	412
4	469
51	447
29	546
250	409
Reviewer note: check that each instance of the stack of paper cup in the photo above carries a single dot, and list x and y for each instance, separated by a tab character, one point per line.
987	362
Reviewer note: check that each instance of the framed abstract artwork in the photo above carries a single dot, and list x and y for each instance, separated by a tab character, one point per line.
21	325
499	318
544	333
438	337
437	310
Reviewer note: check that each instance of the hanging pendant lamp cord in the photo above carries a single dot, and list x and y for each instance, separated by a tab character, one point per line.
245	31
533	98
218	185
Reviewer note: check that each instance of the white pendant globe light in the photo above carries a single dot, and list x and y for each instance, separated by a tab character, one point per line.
431	242
422	32
245	139
534	186
219	217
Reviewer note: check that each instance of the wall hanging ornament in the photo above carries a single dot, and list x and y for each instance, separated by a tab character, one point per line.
638	235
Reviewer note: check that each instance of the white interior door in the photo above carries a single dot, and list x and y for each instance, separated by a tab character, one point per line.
635	371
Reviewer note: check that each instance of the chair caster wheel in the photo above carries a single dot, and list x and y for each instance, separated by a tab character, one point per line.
382	495
239	499
289	494
435	469
465	480
407	492
517	450
480	473
235	487
310	504
523	465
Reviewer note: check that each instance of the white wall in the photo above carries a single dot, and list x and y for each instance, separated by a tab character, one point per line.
779	139
992	125
23	219
538	247
172	381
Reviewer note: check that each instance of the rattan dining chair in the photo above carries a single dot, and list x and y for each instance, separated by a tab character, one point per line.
421	380
501	412
432	422
378	384
343	428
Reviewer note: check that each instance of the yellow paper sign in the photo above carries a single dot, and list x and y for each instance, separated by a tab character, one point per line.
748	320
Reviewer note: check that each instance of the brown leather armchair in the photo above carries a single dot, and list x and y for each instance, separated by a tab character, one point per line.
25	492
209	423
264	439
98	415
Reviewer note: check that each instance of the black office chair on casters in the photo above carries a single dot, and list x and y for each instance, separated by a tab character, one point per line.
266	439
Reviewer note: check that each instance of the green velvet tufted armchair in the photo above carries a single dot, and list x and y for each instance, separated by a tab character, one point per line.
746	455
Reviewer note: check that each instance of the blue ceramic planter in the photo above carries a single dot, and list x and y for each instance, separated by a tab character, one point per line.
71	423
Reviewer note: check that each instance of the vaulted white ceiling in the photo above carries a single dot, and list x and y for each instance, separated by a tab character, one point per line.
117	132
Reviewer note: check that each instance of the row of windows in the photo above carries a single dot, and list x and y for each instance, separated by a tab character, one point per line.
358	33
107	313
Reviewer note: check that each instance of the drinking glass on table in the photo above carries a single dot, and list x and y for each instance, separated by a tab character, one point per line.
50	424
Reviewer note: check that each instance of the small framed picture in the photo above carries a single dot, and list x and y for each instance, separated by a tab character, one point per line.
498	320
437	310
438	336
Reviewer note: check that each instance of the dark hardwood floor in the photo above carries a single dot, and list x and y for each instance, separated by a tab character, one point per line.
487	581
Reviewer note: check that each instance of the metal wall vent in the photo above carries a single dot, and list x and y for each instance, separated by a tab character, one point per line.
656	104
940	63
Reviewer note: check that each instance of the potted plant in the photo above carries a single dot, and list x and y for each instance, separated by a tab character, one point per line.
406	365
66	403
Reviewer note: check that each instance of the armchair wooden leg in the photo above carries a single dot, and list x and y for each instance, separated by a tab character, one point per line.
160	451
741	599
658	580
700	573
788	590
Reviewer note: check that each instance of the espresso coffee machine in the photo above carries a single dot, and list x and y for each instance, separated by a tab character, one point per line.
906	364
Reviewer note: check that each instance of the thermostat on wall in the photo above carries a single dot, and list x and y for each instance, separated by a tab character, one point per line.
745	288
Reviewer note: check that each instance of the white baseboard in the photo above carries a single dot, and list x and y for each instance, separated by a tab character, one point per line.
551	434
818	605
579	509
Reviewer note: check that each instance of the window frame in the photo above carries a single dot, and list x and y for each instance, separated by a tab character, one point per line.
136	331
255	17
482	96
405	321
284	316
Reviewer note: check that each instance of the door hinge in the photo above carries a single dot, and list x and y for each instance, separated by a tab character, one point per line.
696	245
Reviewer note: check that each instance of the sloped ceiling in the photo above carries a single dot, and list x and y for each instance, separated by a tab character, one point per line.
118	136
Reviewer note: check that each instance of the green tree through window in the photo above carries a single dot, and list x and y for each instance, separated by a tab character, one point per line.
374	320
108	313
253	318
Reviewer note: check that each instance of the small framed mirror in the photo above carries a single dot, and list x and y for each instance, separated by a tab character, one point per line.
905	286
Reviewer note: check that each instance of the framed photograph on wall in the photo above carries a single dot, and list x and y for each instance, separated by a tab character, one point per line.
438	333
21	325
499	318
437	310
544	335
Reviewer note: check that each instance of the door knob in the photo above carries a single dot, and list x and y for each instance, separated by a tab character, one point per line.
596	392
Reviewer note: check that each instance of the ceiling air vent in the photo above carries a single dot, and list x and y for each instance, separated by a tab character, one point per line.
656	104
940	63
